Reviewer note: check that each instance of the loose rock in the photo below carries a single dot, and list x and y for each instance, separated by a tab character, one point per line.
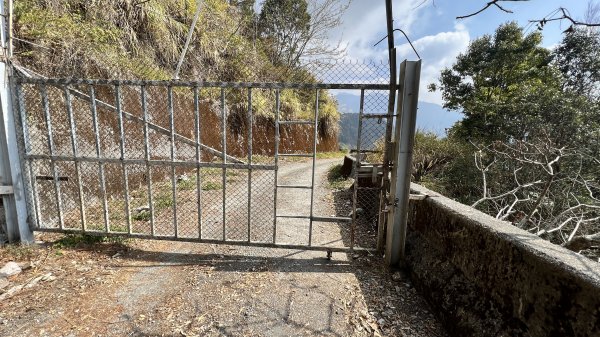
398	276
10	269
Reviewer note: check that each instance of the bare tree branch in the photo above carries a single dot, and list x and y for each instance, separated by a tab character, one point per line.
565	15
592	15
488	5
543	197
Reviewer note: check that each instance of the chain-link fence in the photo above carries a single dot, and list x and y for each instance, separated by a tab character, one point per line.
179	160
139	150
309	71
184	160
100	153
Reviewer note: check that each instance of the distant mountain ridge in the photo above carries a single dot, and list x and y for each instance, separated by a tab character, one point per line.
430	117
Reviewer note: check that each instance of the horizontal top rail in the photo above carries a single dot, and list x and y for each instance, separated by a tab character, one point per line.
296	122
202	84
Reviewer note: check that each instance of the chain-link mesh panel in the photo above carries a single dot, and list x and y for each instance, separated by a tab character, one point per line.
212	203
262	207
373	127
93	197
309	71
47	198
236	205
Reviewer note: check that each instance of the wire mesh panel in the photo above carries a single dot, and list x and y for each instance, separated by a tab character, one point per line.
372	142
194	161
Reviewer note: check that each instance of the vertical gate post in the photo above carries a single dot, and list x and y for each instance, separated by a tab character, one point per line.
11	175
385	182
404	136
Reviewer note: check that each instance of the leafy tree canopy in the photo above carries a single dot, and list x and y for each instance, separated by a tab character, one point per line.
509	89
528	148
286	25
578	59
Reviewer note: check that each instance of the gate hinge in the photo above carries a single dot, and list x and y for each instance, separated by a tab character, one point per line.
387	204
6	190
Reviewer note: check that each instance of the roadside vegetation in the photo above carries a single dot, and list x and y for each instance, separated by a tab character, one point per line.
336	179
528	148
126	39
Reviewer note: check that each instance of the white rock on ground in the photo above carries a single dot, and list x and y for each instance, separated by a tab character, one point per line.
10	269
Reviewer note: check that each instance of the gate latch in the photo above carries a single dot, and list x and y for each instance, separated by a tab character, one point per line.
6	190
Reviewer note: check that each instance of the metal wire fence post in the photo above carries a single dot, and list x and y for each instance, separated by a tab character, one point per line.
122	155
74	148
144	103
277	102
171	112
224	157
249	134
314	165
198	158
50	143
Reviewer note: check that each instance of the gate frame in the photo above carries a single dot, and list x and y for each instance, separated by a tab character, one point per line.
229	162
400	163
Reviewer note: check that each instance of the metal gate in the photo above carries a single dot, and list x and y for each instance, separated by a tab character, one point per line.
175	160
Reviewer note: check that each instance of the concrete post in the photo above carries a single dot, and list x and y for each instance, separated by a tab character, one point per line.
11	177
404	136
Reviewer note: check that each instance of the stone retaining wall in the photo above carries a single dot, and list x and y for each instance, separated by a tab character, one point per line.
489	278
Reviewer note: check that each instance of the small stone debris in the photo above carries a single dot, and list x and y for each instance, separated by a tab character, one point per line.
26	265
48	277
398	276
10	269
141	209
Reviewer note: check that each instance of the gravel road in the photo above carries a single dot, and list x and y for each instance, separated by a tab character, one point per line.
158	288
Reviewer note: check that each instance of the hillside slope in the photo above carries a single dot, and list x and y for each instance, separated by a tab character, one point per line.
126	39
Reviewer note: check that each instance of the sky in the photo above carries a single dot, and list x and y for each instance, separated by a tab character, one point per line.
436	33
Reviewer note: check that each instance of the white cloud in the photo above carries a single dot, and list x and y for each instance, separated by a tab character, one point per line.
365	24
437	52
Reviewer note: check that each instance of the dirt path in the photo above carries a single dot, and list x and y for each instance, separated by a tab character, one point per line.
151	288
